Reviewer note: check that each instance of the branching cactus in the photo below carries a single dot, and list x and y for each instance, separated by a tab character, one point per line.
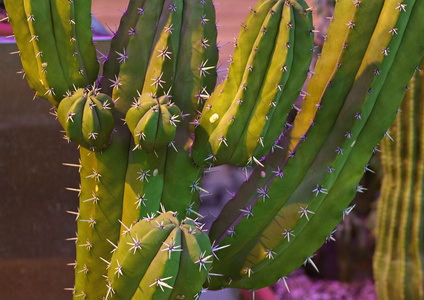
398	266
153	119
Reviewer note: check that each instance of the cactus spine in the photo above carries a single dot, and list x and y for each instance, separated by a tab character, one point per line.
148	152
398	267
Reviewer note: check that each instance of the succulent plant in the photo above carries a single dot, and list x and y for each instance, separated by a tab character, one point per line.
169	122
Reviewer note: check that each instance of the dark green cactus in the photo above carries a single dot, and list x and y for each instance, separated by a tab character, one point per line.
148	153
398	266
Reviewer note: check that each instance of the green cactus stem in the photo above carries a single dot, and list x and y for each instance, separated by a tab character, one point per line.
398	266
155	178
52	69
119	43
100	209
283	219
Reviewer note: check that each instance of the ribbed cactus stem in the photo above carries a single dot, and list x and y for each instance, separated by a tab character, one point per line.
398	264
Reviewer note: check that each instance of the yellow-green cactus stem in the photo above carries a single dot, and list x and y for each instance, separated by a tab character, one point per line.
233	130
55	68
153	123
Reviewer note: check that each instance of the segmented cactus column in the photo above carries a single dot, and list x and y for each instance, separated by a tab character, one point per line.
398	259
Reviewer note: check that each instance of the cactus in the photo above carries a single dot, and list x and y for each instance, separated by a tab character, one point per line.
397	258
150	123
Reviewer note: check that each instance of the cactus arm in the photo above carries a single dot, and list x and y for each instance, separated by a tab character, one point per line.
197	47
86	52
302	49
159	75
318	84
360	99
230	122
49	47
273	83
65	40
119	44
18	20
211	54
246	38
221	101
42	34
132	71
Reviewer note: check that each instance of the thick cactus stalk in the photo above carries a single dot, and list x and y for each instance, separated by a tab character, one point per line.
398	266
102	187
274	223
155	178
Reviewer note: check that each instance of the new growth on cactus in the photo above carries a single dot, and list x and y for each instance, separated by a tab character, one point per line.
149	124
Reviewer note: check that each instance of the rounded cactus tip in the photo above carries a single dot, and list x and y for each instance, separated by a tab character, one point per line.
153	121
87	117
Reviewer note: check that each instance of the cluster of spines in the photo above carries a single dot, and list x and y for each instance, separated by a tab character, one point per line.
277	198
54	68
